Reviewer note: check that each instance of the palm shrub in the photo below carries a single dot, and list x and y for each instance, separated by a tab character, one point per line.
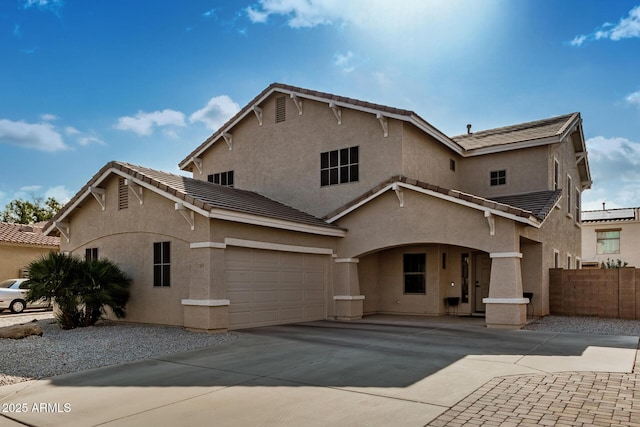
81	289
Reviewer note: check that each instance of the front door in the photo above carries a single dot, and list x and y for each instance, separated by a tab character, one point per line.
482	277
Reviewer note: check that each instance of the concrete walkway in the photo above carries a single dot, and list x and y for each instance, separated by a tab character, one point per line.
325	373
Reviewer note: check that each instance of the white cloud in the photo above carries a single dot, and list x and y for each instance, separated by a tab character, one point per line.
628	27
615	170
17	32
48	117
30	188
60	193
38	136
87	140
70	130
209	13
144	123
343	61
217	111
634	98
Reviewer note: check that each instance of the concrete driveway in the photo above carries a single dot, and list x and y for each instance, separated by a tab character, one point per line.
314	374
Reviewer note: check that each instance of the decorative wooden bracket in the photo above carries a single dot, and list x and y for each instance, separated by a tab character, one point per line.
135	189
492	222
63	228
384	123
258	111
187	215
100	195
399	194
580	156
198	163
228	139
336	112
298	102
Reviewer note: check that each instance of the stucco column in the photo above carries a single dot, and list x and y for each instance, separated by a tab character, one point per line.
346	290
505	306
207	307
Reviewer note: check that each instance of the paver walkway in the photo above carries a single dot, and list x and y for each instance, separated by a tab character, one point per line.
566	399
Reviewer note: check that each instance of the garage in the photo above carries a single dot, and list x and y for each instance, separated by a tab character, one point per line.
268	287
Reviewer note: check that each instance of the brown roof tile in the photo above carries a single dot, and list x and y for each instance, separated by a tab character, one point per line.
26	234
208	195
537	204
540	129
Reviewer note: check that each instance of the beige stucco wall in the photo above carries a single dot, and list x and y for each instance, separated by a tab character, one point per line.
629	242
526	172
282	160
127	236
382	281
14	257
428	160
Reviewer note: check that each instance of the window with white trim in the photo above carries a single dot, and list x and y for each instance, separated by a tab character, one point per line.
339	166
577	202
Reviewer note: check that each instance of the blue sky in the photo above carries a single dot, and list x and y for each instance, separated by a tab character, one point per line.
83	82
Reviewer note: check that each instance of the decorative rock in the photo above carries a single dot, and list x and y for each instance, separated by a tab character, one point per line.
17	332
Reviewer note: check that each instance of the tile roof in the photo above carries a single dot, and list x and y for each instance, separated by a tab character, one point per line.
207	196
537	204
26	234
530	131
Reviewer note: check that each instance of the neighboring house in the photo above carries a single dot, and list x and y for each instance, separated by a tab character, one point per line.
19	245
611	234
307	205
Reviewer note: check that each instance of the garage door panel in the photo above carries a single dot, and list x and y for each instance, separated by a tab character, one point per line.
271	287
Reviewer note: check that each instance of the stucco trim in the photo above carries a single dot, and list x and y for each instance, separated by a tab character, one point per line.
438	195
254	244
274	223
505	300
344	260
348	297
206	302
505	255
201	245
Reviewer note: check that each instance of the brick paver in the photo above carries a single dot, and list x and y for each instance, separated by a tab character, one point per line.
563	399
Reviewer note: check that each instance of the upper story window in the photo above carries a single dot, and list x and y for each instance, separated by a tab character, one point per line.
577	205
123	194
569	205
498	177
339	166
281	109
556	174
222	178
607	242
452	165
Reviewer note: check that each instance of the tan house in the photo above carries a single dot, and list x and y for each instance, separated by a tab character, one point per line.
307	205
611	235
20	245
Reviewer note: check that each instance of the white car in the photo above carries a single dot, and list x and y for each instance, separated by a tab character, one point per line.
12	294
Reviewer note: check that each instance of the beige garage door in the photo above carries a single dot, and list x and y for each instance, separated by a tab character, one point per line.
272	288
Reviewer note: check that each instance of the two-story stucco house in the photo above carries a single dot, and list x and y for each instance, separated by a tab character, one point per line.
307	205
609	235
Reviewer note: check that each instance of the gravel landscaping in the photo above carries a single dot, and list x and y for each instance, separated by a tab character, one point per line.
108	343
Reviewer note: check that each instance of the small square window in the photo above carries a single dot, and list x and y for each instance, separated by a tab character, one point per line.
91	253
498	177
222	178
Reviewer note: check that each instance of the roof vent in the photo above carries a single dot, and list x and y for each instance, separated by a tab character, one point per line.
469	129
26	229
603	206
